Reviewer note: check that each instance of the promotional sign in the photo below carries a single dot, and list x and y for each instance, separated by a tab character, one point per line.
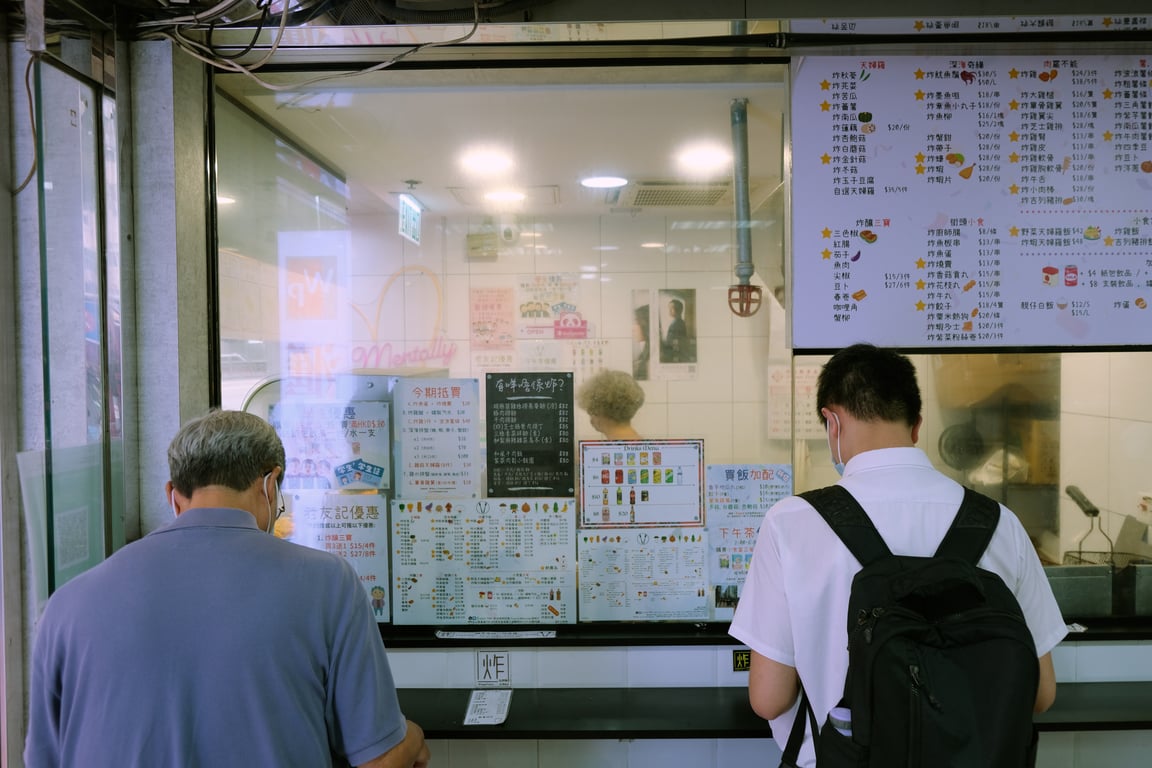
435	432
529	431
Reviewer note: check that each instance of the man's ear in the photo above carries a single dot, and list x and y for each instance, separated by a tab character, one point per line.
916	430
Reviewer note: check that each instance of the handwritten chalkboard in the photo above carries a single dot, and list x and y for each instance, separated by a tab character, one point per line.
530	449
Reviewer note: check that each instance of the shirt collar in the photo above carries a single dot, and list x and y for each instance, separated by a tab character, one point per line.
212	517
886	458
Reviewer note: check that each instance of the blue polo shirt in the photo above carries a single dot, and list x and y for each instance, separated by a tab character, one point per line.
211	643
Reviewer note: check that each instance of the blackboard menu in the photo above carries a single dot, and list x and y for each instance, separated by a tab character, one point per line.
530	450
972	201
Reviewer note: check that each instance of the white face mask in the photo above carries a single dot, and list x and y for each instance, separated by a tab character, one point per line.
272	516
837	464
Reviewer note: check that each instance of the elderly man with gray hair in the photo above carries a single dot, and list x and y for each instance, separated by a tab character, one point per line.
211	643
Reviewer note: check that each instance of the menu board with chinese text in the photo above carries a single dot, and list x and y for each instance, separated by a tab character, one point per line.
487	561
530	428
351	525
650	574
436	446
972	201
738	495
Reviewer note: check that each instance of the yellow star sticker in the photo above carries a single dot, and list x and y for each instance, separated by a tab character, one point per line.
919	157
826	254
1013	158
1013	73
1013	136
1107	21
1014	189
919	170
1107	135
918	25
825	85
825	106
920	263
1014	231
825	159
1106	93
919	95
919	73
1108	240
1013	104
920	284
920	306
825	233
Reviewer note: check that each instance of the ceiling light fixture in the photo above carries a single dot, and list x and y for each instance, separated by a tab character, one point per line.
651	245
486	161
703	158
603	182
224	200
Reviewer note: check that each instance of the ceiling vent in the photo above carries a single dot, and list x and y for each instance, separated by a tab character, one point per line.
548	194
674	194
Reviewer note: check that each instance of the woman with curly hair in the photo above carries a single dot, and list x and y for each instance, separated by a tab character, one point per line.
611	399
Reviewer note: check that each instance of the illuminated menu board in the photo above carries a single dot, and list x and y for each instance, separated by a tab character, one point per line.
972	201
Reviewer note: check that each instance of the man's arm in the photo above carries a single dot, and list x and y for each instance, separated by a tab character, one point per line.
410	753
1046	690
772	687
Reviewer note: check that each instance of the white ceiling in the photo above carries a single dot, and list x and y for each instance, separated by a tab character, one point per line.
383	129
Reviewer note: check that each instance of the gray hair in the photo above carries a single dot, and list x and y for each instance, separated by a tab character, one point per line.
228	448
612	394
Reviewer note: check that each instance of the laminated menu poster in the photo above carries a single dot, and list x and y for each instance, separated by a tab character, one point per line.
737	497
487	561
337	445
529	445
436	449
650	574
641	483
972	201
351	525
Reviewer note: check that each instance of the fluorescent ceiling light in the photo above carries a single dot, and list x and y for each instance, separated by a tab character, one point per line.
651	245
603	182
703	158
486	161
224	200
504	195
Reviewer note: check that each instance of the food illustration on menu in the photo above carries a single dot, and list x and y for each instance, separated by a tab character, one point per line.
972	201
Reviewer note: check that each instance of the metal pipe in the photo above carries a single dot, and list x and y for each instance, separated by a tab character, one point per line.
743	211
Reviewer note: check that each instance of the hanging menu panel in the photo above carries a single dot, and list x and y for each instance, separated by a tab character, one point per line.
959	202
530	450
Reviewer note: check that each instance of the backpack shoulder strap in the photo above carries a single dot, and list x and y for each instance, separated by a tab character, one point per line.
972	528
849	521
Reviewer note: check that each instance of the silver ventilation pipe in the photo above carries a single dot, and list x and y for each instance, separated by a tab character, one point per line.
743	298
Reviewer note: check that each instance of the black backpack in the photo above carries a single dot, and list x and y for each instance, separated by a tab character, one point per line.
942	669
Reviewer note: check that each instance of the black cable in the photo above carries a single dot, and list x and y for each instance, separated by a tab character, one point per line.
264	15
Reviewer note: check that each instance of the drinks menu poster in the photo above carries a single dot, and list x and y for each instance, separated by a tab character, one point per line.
972	201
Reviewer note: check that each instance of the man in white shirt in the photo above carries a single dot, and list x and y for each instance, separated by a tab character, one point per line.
792	612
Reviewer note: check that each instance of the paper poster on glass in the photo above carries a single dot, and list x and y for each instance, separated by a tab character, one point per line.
351	525
484	561
641	483
334	445
653	574
737	496
436	448
548	307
